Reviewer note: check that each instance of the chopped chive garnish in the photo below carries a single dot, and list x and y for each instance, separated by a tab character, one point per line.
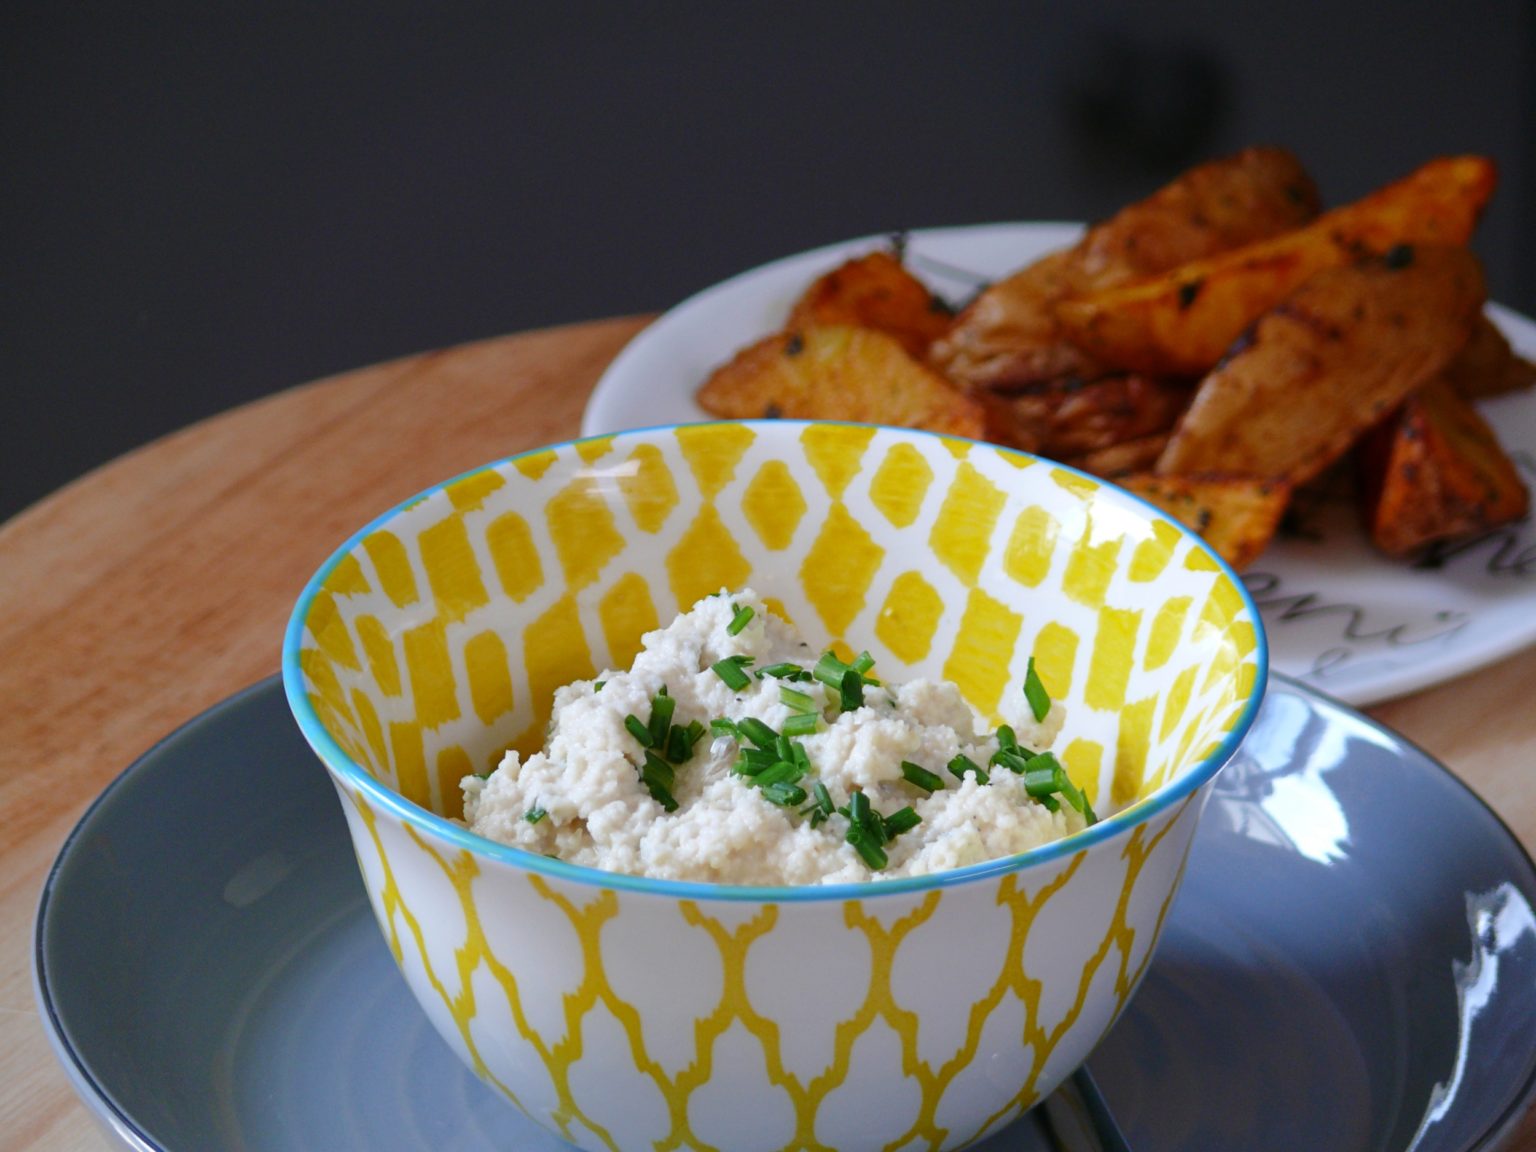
757	732
534	814
823	798
962	764
739	621
1007	740
924	779
1034	691
723	726
829	670
852	690
639	730
1015	760
680	741
658	777
779	770
784	671
751	761
858	807
598	685
862	663
1050	802
662	708
1040	782
803	724
798	701
866	846
902	820
733	671
783	793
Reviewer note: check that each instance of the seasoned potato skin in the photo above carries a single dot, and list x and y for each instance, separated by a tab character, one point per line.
1069	418
1183	321
1332	360
874	291
1009	338
839	373
1435	470
1487	365
1237	515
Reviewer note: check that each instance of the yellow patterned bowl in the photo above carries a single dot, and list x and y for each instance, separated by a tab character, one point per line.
627	1013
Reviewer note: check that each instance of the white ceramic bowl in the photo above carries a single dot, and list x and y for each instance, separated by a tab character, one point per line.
631	1013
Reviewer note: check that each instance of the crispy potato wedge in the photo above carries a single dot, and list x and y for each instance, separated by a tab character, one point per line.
1237	515
839	373
874	291
1008	337
1122	459
1069	418
1183	321
1434	470
1345	349
1488	366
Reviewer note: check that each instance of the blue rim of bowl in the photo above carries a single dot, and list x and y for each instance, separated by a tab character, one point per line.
354	775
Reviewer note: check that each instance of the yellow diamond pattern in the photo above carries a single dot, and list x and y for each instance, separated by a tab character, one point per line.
774	505
839	569
900	484
962	534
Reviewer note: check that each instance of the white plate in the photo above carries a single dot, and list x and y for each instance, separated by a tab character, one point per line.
1340	616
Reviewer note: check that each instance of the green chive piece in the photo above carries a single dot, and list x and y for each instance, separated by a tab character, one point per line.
1050	802
1040	782
658	777
1015	760
803	724
902	820
1007	739
852	690
829	670
724	726
679	745
823	799
757	732
924	779
865	845
800	755
662	708
1034	691
862	663
739	621
597	686
784	671
638	729
784	793
858	807
798	701
751	761
782	770
784	748
732	671
534	814
962	764
1074	796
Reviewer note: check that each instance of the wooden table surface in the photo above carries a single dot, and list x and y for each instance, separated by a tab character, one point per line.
158	585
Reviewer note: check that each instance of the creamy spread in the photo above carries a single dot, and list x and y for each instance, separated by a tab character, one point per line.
770	763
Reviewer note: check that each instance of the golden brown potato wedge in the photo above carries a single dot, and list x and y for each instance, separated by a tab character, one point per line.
874	291
1008	337
1435	469
839	373
1069	419
1331	361
1237	515
1122	459
1488	366
1183	321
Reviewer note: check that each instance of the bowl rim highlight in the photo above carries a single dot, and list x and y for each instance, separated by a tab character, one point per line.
457	836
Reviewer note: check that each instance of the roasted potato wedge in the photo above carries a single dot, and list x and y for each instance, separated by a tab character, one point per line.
1069	418
1183	321
839	373
1008	337
1435	470
874	291
1237	515
1122	459
1488	366
1339	354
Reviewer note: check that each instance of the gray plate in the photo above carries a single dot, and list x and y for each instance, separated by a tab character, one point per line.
1351	965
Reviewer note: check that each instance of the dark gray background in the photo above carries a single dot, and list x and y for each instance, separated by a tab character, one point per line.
202	205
